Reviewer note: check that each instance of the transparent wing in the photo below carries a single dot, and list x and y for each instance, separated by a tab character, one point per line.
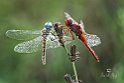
29	46
93	40
69	17
35	44
53	41
23	34
82	26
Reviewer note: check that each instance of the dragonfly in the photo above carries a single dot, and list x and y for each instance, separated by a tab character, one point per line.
39	40
89	40
58	27
60	31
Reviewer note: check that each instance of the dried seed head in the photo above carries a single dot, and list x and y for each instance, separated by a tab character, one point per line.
74	55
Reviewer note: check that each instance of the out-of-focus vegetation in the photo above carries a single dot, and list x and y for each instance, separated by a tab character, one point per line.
102	17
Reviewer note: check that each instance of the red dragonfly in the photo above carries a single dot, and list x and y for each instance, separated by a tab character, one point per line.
88	39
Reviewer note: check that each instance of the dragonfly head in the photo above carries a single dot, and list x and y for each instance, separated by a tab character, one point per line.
48	25
56	24
68	22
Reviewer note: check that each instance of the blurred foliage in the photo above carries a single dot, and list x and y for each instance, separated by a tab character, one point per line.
102	17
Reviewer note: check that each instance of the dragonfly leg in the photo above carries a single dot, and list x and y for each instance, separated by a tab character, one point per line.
72	36
66	31
67	41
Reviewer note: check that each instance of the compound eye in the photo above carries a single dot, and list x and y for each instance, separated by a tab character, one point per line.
48	25
55	25
68	22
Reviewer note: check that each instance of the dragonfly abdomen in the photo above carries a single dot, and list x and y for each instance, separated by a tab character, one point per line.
61	41
44	35
59	30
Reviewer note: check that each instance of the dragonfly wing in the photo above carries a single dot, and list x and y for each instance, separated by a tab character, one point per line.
53	41
69	17
29	46
52	44
35	44
93	40
82	26
23	34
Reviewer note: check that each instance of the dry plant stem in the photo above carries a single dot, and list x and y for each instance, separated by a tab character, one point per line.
75	71
66	50
74	67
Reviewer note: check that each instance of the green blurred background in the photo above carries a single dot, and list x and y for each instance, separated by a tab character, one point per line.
102	17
